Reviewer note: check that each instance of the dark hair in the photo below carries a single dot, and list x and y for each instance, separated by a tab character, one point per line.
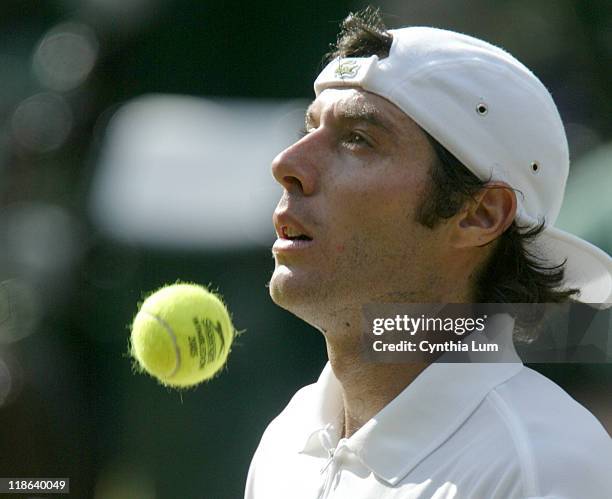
512	273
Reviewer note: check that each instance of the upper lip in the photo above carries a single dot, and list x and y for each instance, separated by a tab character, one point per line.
283	220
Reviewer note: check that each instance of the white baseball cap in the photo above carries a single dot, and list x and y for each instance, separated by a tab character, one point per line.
497	118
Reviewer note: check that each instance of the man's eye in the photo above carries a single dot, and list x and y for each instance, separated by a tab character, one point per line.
358	139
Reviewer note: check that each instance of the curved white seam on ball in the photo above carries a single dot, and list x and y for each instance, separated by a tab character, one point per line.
167	327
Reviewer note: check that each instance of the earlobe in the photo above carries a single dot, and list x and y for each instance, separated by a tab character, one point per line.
486	217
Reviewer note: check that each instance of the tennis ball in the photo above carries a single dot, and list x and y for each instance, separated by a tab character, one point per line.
182	335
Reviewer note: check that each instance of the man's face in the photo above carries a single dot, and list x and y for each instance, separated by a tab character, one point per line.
352	186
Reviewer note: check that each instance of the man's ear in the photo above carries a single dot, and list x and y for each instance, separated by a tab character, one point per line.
486	217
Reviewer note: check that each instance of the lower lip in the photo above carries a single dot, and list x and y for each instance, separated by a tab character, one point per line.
284	245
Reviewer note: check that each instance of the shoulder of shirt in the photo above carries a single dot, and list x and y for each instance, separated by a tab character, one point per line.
562	448
292	413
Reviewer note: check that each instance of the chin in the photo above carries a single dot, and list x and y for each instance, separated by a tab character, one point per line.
297	292
284	287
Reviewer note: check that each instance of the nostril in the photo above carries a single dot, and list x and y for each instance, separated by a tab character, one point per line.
291	181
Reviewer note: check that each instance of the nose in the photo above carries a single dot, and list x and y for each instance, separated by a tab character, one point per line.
294	168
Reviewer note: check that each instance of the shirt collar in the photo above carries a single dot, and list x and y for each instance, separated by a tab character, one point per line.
325	414
425	414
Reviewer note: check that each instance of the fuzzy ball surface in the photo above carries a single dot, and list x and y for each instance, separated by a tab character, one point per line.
182	335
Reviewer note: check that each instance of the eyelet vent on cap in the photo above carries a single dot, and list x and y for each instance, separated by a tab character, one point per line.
535	167
482	109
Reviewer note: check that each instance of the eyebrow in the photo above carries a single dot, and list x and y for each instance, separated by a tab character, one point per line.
354	111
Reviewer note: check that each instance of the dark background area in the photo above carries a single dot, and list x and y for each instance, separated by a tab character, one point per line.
70	404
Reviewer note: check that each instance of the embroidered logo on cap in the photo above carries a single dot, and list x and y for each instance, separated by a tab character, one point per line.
346	69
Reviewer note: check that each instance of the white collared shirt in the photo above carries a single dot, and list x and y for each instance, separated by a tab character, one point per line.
458	431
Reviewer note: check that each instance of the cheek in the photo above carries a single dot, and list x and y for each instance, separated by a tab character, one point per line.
387	199
370	214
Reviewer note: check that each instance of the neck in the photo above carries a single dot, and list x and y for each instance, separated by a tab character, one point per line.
366	387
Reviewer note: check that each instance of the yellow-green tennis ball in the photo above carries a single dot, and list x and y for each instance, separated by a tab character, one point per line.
182	335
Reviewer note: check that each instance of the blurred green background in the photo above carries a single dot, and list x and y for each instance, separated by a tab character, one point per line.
105	198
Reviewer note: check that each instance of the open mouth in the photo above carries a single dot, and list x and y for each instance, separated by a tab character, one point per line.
290	239
293	235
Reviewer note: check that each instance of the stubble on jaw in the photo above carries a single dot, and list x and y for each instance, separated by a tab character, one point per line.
329	302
